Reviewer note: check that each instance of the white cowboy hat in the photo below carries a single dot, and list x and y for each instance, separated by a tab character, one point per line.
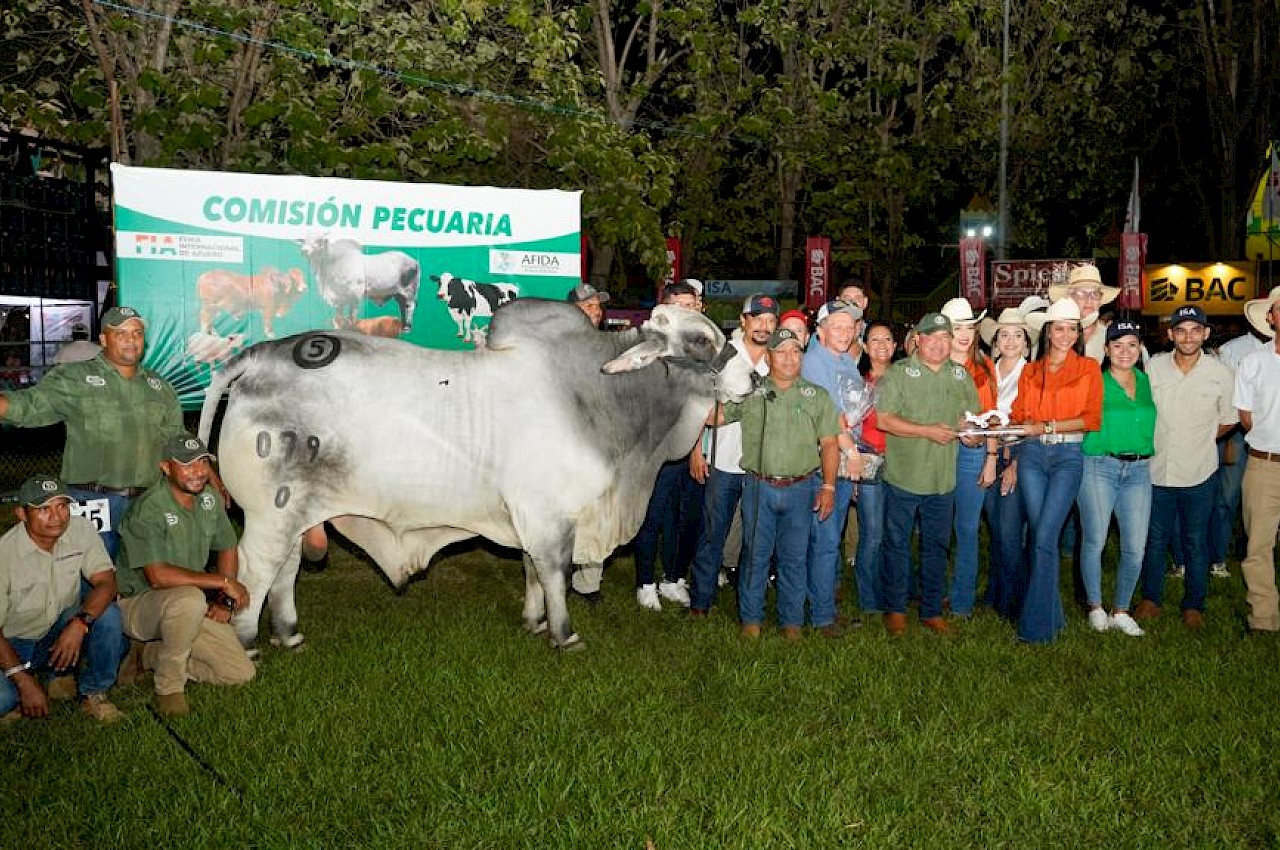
1083	277
1032	303
1010	317
1256	312
960	312
1062	310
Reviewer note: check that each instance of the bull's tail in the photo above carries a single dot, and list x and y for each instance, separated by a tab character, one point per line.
222	380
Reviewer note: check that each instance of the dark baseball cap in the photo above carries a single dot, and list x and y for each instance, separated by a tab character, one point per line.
1123	327
760	304
838	306
782	336
585	292
185	449
117	316
1188	313
933	323
39	490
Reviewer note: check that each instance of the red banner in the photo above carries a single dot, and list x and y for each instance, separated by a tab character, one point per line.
674	262
817	270
1133	259
973	267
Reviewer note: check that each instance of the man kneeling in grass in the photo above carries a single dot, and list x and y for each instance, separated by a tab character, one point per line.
44	623
166	540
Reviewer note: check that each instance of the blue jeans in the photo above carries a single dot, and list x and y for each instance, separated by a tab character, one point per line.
118	506
775	522
661	522
970	499
1049	479
936	513
871	499
689	521
100	655
824	556
1192	508
723	492
1227	509
1010	560
1111	485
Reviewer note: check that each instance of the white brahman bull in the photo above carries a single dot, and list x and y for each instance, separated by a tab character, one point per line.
548	441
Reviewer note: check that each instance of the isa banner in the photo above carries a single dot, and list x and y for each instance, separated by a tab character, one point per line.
218	261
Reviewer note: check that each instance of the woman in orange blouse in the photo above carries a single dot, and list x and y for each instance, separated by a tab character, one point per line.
1059	399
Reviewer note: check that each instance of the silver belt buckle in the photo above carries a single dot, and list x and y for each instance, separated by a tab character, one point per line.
1051	439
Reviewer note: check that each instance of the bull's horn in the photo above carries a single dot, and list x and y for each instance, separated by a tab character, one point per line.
636	357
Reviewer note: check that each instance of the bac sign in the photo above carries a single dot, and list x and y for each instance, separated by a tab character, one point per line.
1219	288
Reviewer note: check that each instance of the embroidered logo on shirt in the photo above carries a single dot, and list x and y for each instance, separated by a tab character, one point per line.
155	384
95	380
807	392
206	501
912	372
170	519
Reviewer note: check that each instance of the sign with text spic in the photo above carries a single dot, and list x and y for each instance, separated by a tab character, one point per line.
1014	280
1219	289
817	271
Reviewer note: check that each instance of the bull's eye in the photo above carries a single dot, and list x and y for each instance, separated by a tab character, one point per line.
700	348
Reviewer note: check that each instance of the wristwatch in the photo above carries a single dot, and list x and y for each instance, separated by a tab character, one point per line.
86	618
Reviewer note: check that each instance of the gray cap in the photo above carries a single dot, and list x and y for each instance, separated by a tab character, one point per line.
585	292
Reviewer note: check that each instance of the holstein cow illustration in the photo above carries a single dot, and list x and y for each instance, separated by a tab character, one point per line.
269	292
549	441
468	300
346	275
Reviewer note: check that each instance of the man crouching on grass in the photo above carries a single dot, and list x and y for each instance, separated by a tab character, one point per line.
45	625
166	540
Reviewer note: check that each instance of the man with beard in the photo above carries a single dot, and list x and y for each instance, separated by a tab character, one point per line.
1193	393
118	415
166	542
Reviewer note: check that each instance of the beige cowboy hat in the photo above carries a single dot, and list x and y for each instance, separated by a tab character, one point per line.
1010	317
1256	312
1062	310
960	312
1083	277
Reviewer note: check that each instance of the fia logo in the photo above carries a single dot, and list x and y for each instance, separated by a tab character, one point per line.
1163	289
95	380
170	519
206	501
912	372
155	384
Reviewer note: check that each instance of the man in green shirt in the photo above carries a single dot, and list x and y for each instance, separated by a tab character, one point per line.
790	456
921	401
166	542
117	414
46	623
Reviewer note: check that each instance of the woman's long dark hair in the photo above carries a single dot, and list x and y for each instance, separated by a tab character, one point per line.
864	362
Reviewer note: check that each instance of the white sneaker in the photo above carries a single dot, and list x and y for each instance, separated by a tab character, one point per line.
647	596
1124	623
677	591
1219	570
1098	620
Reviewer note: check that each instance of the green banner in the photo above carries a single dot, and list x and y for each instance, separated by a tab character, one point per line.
218	261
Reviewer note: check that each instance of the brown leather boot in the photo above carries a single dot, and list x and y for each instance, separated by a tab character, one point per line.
895	624
1146	610
938	625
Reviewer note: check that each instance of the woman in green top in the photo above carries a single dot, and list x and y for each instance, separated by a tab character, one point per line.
1116	478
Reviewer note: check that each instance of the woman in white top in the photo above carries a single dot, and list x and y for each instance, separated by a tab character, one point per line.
1010	340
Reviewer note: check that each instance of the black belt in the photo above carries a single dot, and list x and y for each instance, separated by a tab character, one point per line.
782	480
127	492
1128	457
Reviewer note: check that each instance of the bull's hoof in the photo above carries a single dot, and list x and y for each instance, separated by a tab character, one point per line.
573	643
255	654
293	641
535	628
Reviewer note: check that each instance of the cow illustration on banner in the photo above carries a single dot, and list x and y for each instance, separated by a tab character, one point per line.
219	261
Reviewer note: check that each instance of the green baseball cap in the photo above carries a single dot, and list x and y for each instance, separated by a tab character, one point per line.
117	316
39	490
933	323
781	337
185	449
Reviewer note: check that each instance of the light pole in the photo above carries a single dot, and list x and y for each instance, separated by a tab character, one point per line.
1002	224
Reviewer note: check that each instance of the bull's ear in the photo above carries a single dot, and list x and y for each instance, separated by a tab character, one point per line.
636	357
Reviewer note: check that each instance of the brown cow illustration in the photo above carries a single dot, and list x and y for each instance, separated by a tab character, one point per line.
270	292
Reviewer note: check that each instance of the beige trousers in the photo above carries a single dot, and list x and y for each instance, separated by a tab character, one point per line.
1260	505
182	643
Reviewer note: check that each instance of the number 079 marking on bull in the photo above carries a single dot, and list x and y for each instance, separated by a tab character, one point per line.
315	351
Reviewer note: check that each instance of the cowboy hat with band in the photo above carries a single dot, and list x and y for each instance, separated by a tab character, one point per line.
1085	277
1256	312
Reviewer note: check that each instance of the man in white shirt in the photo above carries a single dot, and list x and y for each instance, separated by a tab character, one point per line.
1257	397
1194	408
1231	459
723	447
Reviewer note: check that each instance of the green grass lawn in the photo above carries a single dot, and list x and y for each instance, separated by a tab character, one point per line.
430	720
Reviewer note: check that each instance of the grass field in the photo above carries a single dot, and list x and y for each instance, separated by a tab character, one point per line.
430	720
